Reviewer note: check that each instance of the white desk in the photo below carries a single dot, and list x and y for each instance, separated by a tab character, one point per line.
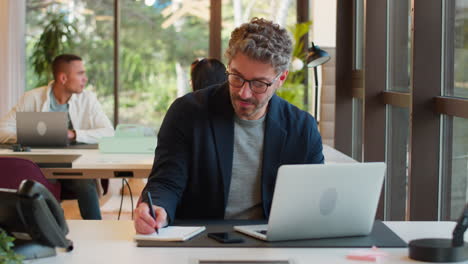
93	164
111	242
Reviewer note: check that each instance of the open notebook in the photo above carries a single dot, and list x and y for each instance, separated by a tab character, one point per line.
172	233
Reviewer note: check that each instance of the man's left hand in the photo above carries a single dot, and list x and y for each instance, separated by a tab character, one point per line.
71	134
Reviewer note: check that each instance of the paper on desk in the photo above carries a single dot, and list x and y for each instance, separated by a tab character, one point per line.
172	233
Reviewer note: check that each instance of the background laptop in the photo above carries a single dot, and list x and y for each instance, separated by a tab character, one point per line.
42	129
322	200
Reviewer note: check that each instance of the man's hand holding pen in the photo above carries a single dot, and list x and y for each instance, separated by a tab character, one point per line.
145	223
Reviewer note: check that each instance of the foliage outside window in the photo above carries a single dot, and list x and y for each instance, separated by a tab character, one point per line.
156	51
293	87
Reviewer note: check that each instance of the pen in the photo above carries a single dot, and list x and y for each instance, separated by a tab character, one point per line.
150	201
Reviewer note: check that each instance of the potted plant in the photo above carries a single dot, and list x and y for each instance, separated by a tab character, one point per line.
7	254
56	38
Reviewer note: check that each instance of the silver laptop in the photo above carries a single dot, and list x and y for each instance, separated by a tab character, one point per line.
42	129
322	200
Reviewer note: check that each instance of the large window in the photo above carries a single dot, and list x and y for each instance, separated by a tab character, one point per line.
157	42
459	167
155	55
397	126
396	157
398	46
92	35
358	78
414	68
460	47
358	36
153	52
455	139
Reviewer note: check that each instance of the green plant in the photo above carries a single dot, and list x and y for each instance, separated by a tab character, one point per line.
293	88
7	255
56	38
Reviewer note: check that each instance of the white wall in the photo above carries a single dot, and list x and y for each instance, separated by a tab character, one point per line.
12	58
323	15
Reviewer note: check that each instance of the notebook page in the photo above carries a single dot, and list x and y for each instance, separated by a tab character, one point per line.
172	233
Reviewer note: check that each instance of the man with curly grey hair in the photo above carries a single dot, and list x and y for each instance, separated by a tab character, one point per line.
219	148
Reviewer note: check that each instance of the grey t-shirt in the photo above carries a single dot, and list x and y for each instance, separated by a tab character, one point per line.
244	200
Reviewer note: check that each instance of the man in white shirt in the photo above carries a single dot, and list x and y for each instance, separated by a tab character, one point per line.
66	91
87	121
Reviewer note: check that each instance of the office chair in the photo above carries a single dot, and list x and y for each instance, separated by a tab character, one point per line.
14	170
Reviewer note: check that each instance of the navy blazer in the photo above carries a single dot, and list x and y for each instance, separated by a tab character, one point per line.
193	159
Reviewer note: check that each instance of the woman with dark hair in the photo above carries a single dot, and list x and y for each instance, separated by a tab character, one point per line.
207	72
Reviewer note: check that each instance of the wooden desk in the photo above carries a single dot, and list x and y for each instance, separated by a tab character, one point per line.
92	164
112	242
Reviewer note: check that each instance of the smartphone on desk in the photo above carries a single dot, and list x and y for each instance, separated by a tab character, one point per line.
226	237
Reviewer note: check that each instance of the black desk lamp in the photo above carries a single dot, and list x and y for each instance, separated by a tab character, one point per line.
316	57
440	249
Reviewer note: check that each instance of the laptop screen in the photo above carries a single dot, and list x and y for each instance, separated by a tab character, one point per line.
42	129
322	200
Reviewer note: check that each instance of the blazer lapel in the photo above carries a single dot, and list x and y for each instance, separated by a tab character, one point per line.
223	129
274	140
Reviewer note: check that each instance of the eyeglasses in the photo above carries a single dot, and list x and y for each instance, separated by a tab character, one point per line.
256	86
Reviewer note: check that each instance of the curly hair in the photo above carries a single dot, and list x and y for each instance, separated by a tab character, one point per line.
262	40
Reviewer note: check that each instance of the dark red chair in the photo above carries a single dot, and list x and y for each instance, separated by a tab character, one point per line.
14	170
